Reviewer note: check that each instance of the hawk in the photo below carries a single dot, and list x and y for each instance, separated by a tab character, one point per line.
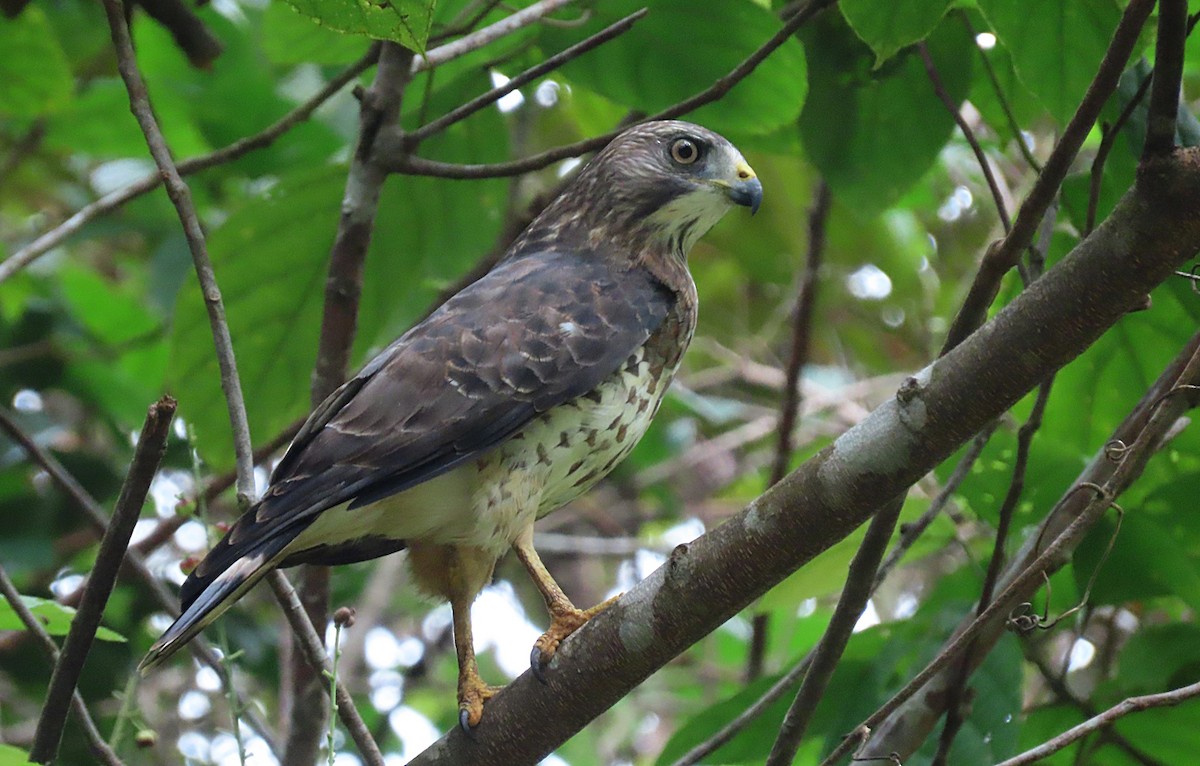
513	398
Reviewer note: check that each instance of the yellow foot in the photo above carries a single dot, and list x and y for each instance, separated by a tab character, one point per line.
563	622
472	693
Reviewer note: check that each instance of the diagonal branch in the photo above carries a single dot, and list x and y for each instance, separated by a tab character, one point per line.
610	32
181	198
708	580
1005	254
395	159
908	717
96	744
150	448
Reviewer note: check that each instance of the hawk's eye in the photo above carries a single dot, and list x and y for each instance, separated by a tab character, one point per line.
685	151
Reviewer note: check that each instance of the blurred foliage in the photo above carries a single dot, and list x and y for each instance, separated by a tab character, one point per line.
100	326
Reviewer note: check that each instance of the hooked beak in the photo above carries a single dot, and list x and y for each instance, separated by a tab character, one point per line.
747	190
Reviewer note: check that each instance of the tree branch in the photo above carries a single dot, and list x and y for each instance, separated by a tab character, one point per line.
134	561
610	32
96	744
1104	720
1168	75
901	726
857	591
314	652
1003	256
181	198
395	159
304	688
109	202
489	34
935	78
151	446
707	581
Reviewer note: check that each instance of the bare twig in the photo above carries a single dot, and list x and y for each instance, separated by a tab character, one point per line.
487	35
134	561
984	164
314	651
96	744
303	686
1013	125
1004	255
1103	720
1107	139
1016	487
549	65
146	458
397	160
801	330
855	594
1168	74
181	198
150	182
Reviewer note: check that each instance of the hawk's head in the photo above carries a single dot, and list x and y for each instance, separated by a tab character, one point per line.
667	181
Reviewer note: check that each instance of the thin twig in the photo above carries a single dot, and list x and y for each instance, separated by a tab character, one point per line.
397	160
1107	139
954	713
1003	256
487	35
1168	75
818	215
984	164
151	446
134	561
549	65
1104	720
181	198
314	650
1013	125
855	594
109	202
96	744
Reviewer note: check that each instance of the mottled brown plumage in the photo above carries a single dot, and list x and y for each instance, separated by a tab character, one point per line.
513	398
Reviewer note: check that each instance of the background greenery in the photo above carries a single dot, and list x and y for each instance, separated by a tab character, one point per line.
94	331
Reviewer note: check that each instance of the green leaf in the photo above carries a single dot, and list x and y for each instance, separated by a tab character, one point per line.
289	38
35	77
1159	657
888	27
1056	52
13	756
644	68
404	21
874	133
55	618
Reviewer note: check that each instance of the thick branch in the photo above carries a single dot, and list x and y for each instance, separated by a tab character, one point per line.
150	448
709	580
1168	74
906	728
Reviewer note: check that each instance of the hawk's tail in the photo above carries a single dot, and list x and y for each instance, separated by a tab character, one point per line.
207	593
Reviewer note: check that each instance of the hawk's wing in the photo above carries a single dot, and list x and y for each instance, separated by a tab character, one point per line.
533	333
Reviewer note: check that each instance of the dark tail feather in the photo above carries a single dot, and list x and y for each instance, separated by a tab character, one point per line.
205	597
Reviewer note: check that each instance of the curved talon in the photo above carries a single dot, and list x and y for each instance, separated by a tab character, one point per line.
464	722
538	663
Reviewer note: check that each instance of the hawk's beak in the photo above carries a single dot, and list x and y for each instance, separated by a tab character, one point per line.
747	190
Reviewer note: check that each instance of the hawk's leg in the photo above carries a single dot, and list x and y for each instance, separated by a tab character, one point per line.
565	617
458	573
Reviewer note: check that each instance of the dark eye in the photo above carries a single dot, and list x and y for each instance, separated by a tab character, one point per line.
685	151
